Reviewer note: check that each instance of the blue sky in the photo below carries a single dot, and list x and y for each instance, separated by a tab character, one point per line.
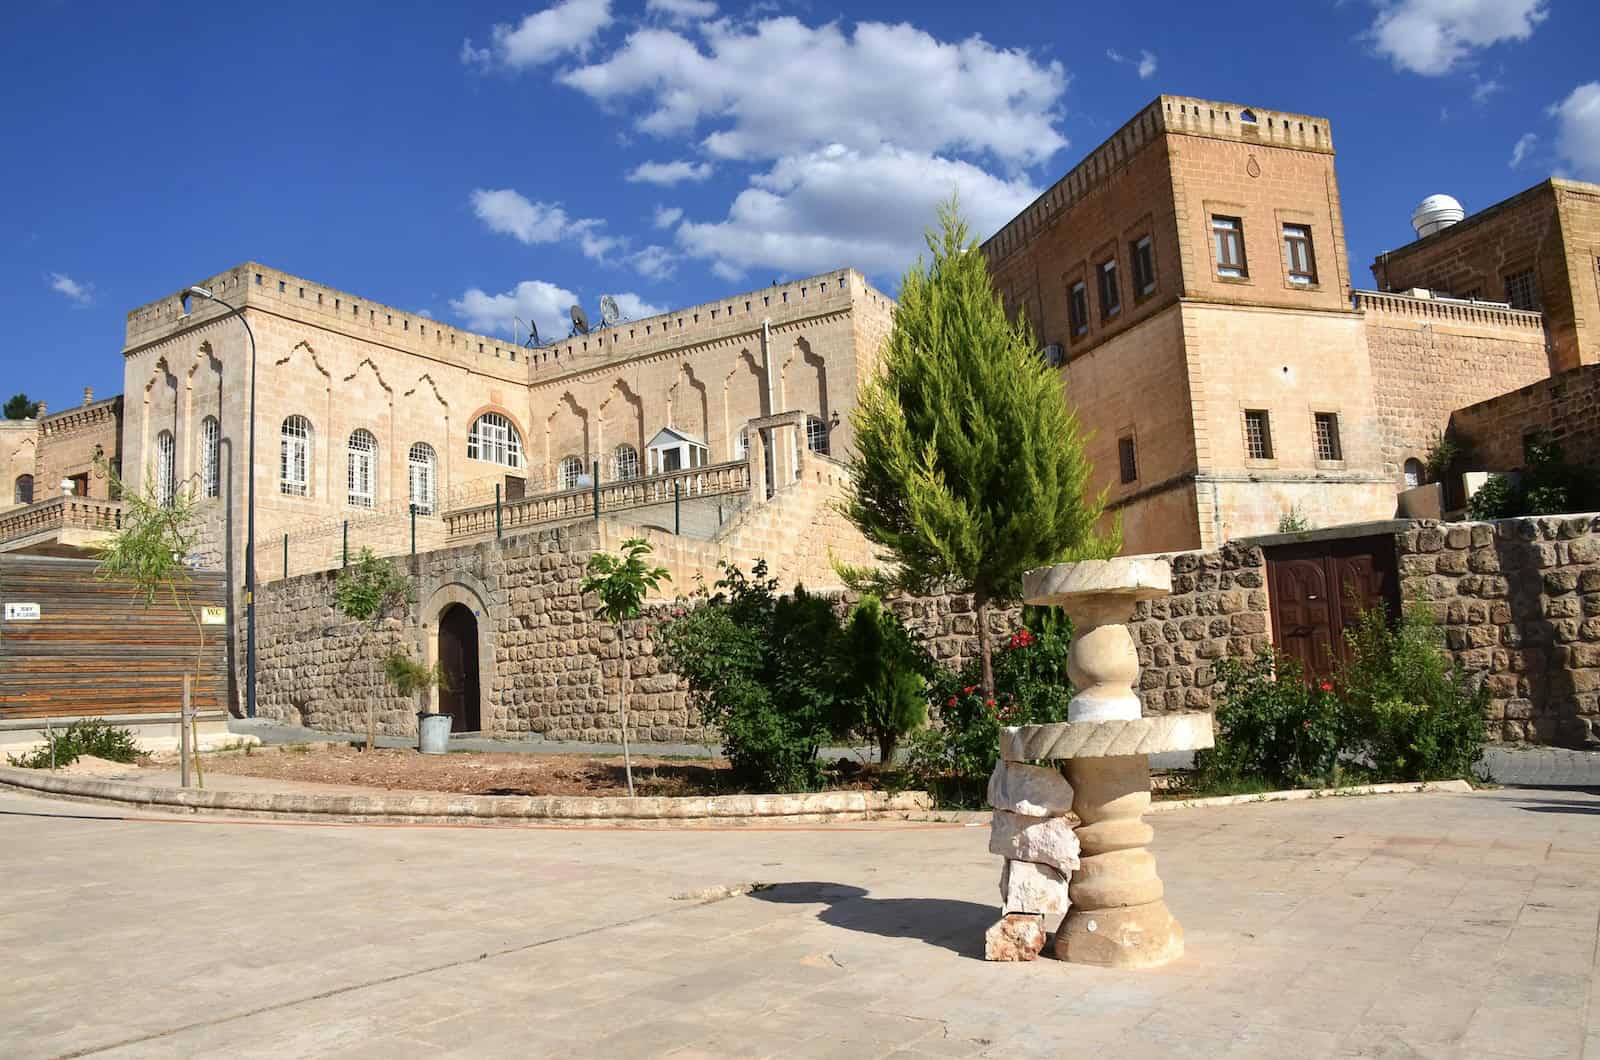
473	161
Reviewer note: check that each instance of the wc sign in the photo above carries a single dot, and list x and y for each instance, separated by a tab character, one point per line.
22	612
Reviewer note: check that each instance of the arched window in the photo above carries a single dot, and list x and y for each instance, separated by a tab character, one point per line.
624	463
294	457
567	475
211	456
1414	473
362	468
424	466
495	439
166	468
24	492
816	435
741	444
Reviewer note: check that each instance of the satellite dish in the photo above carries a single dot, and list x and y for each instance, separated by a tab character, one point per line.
580	320
609	313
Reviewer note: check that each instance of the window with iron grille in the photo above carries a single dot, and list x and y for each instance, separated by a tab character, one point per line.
1144	266
211	456
1227	236
1327	430
294	457
1298	257
1110	290
1257	434
568	473
1078	309
24	490
816	435
361	464
1128	458
741	444
166	473
1520	290
493	438
422	465
624	463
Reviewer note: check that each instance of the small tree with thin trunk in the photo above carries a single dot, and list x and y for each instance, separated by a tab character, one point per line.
412	678
621	583
149	553
969	466
366	591
882	693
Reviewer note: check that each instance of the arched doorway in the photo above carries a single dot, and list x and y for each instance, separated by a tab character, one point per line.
458	658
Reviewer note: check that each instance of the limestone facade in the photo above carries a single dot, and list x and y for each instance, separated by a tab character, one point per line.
1538	250
1161	269
19	446
1564	408
77	445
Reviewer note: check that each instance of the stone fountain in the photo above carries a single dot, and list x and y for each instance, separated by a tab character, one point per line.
1117	915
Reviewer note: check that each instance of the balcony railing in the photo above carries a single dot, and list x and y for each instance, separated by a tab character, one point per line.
569	505
60	513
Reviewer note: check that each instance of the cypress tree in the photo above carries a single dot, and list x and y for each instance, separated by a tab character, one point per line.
969	466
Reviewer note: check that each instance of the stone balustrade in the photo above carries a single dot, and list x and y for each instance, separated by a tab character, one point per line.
60	513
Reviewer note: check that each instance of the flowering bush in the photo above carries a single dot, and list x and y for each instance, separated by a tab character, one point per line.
1272	726
954	759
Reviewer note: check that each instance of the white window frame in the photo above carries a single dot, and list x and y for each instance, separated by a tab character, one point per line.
1297	241
422	466
624	463
494	439
166	469
568	472
1233	229
294	456
816	435
211	456
361	469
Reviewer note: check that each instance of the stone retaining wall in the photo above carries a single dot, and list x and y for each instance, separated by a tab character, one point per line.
1520	604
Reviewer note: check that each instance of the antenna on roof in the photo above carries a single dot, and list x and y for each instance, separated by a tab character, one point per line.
580	320
609	312
533	334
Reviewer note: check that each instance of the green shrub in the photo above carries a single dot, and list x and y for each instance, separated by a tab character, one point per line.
1410	714
759	668
882	695
1549	486
83	737
953	760
1271	726
1495	499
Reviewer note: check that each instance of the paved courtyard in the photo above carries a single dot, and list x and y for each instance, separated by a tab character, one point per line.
1435	925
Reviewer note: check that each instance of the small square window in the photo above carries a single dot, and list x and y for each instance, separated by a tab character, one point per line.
1298	256
1257	434
1078	309
1110	290
1128	459
282	286
258	279
1227	237
1327	428
1144	266
1521	291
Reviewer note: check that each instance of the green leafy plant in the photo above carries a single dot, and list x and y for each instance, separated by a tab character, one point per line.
87	736
621	583
1271	725
953	760
159	529
18	407
410	677
1497	498
1549	485
759	669
1410	714
1293	521
969	464
880	668
1445	454
367	590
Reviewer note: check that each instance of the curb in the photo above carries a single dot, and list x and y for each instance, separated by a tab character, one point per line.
482	809
1458	787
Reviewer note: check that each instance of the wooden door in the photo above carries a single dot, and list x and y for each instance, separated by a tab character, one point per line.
1318	589
458	658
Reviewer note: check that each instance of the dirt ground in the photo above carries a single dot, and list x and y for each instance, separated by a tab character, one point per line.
473	773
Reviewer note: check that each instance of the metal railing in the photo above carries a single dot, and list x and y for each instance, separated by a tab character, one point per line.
60	513
593	501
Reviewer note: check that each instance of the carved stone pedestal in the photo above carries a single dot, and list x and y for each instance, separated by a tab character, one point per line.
1118	916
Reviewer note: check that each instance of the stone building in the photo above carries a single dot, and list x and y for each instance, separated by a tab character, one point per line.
56	464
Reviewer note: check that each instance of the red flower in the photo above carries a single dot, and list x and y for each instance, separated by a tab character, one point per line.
1326	686
989	703
1020	639
950	702
969	689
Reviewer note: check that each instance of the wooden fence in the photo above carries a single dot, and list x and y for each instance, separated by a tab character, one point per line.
72	645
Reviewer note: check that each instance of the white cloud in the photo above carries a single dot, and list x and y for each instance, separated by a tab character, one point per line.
1578	130
667	216
654	262
1482	90
878	84
543	303
1520	150
635	308
570	26
511	213
669	173
681	11
80	294
1430	37
1146	62
838	207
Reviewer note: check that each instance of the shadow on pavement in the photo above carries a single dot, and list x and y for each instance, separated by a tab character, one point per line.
1562	808
953	925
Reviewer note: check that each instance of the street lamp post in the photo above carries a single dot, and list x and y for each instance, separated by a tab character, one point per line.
250	516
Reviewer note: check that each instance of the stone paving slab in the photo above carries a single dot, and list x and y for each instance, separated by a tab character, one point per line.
1420	925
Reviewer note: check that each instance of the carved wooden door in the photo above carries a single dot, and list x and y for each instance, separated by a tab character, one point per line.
1318	589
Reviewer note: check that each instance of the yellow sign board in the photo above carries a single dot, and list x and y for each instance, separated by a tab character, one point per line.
214	616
